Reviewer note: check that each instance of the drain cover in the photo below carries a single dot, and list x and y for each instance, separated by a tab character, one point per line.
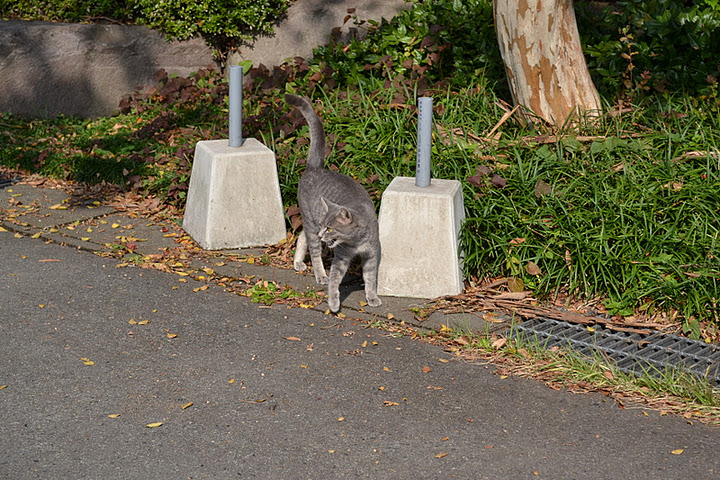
632	352
6	182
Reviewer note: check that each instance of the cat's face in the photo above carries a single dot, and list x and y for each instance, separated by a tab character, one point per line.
337	228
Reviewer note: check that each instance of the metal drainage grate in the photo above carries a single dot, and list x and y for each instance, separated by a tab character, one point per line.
6	182
632	352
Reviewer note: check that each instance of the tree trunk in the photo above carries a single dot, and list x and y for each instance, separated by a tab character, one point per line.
546	70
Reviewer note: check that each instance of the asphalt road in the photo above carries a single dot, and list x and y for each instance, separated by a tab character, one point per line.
278	393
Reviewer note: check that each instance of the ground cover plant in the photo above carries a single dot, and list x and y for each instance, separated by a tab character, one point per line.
620	216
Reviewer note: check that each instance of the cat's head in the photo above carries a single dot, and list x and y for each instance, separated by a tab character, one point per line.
338	226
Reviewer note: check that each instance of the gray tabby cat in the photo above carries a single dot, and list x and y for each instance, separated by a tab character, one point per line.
338	211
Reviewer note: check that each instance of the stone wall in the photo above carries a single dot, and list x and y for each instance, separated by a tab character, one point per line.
84	70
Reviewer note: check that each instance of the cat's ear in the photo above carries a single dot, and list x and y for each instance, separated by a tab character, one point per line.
328	204
344	216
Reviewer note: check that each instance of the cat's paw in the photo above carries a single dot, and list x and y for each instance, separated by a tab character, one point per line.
322	279
334	304
299	266
374	302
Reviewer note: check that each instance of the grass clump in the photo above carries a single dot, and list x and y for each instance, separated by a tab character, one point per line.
673	390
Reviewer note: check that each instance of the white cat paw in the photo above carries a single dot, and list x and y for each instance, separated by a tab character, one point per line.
334	305
374	302
321	279
300	266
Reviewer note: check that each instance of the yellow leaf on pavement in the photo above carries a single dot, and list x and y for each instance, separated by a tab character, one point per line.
153	425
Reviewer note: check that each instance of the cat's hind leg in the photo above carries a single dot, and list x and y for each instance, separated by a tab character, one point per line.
314	245
370	266
301	250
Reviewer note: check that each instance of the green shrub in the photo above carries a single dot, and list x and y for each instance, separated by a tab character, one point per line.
432	41
66	10
222	23
633	46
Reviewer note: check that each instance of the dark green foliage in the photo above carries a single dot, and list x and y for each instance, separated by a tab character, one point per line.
222	23
635	45
433	41
67	10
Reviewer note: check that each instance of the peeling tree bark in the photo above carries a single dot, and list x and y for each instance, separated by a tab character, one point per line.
544	62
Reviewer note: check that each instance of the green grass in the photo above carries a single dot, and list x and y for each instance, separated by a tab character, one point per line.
672	390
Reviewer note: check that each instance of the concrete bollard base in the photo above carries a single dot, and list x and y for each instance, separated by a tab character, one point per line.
234	196
419	238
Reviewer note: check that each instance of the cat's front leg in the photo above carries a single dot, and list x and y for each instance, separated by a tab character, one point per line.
370	275
337	272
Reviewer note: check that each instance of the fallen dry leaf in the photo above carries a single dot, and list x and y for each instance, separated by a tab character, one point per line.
532	269
154	425
426	369
499	343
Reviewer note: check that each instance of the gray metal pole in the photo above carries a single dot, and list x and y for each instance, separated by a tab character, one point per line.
235	116
424	141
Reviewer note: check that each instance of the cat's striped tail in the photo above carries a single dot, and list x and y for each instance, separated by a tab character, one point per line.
316	155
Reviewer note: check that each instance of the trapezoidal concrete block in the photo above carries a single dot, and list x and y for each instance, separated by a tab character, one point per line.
234	196
420	239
